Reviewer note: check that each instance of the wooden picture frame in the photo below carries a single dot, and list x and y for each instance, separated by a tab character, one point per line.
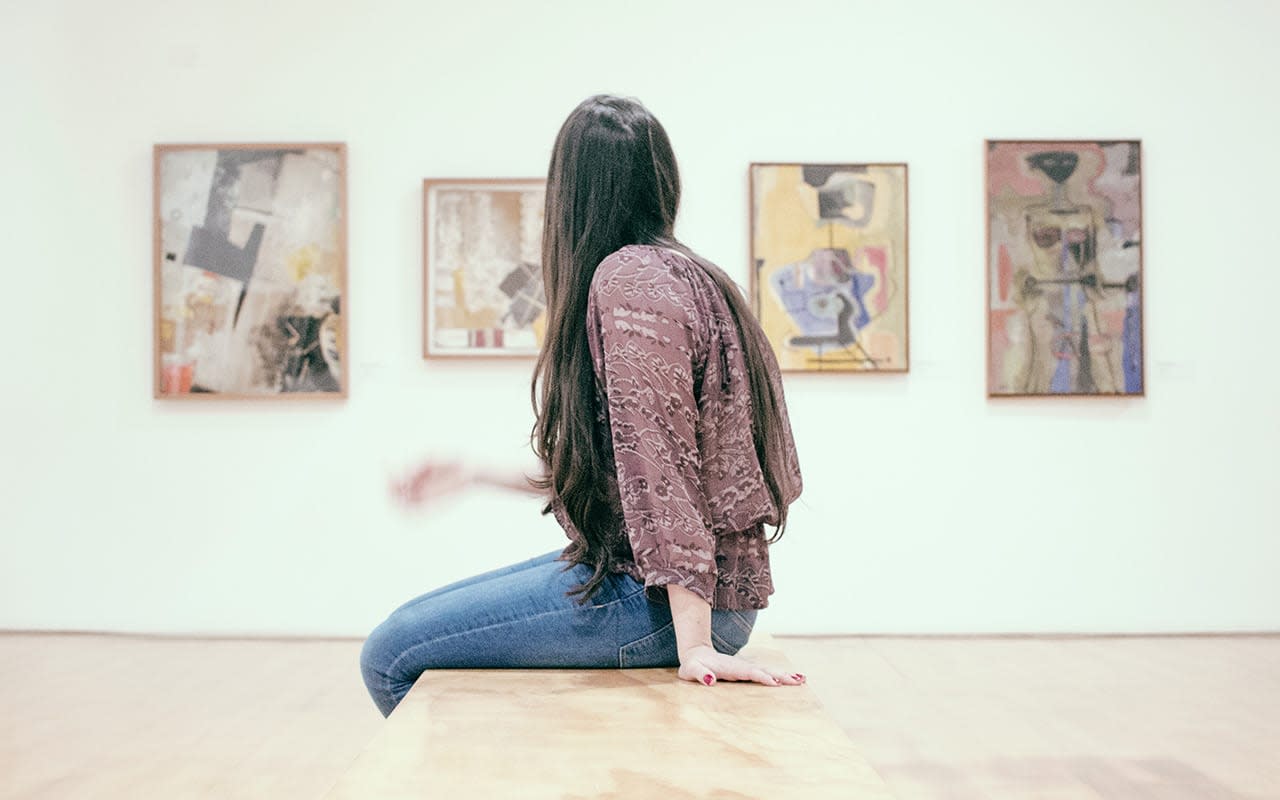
249	251
1064	264
482	273
830	264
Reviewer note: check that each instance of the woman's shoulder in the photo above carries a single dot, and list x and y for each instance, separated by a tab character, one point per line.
641	284
635	260
641	270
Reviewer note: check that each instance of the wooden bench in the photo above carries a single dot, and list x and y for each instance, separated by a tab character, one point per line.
608	734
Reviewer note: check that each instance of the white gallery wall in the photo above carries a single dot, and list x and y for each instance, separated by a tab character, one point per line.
927	507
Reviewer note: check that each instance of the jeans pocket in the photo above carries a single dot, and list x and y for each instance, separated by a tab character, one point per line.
658	649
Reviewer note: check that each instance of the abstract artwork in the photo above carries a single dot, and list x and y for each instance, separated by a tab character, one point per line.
1064	268
829	265
250	270
483	267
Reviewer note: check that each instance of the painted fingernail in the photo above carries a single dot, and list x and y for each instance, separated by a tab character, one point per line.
708	680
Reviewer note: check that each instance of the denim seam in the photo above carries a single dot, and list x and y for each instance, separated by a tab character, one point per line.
725	647
719	643
532	563
405	653
622	648
736	616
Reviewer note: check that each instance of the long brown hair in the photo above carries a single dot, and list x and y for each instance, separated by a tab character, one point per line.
612	182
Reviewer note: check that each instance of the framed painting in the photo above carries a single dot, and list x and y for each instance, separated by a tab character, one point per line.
482	267
829	265
1064	268
250	270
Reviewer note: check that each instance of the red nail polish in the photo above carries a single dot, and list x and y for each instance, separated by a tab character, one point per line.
708	680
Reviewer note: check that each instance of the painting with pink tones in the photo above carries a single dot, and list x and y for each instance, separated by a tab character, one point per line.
1064	268
829	265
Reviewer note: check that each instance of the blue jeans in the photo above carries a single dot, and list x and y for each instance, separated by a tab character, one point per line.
520	617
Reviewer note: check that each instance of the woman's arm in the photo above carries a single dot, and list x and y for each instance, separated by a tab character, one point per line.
506	477
439	478
699	660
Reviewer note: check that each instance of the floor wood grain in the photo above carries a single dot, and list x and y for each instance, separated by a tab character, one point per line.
139	717
1125	718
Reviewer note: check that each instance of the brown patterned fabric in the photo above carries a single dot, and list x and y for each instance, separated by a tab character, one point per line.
675	422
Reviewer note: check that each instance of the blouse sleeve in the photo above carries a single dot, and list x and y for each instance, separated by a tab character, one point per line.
644	343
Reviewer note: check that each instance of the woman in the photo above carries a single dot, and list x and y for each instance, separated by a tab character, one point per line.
664	434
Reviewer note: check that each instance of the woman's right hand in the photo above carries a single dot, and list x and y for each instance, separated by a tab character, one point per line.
702	664
433	481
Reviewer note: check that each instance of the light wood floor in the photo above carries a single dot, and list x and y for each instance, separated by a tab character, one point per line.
1127	718
1168	718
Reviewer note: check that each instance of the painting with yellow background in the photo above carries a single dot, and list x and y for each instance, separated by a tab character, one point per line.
829	265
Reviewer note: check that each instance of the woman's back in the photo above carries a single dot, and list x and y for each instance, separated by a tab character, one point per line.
675	430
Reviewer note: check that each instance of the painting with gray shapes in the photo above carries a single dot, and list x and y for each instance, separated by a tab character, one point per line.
251	270
482	271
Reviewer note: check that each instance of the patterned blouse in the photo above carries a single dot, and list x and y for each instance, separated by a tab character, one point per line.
675	422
